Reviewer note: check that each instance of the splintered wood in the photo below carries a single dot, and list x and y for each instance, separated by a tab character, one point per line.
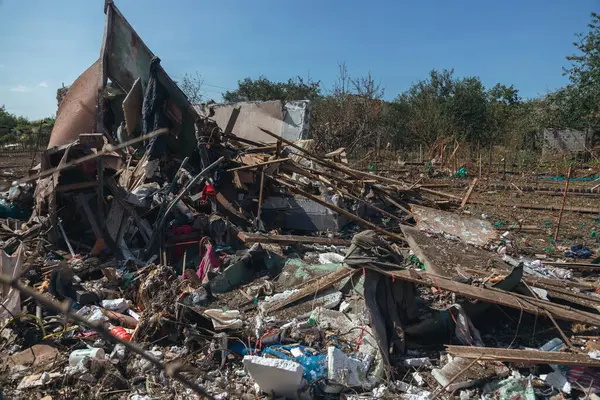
526	357
311	287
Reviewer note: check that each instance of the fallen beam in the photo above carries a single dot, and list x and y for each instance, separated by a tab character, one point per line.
311	288
498	296
527	357
441	194
259	164
290	239
574	265
93	156
469	191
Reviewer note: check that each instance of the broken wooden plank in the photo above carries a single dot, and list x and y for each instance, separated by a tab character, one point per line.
290	239
498	296
574	265
279	160
307	154
104	152
562	207
527	357
260	197
468	194
441	194
311	288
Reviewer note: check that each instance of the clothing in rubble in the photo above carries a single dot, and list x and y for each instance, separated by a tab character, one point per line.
154	115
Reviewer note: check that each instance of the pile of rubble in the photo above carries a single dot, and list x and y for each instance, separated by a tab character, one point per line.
177	254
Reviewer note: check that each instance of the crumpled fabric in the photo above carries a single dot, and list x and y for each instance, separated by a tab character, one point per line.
579	251
154	114
391	302
586	377
224	319
209	263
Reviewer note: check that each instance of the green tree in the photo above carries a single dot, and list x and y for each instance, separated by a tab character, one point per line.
8	121
263	89
578	104
443	106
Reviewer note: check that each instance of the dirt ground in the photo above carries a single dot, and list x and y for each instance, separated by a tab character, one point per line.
504	191
15	165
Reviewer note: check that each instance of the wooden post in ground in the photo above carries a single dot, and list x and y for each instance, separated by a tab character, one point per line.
490	160
562	207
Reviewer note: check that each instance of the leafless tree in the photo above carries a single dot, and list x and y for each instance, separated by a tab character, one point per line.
191	86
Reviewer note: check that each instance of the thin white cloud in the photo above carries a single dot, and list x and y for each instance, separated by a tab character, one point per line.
20	89
43	84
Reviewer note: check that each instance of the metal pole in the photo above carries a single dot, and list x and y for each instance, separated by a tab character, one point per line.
62	230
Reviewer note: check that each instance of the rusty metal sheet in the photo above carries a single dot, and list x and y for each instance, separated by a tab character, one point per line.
77	111
469	229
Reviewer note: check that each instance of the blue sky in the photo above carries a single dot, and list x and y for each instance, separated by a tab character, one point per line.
45	43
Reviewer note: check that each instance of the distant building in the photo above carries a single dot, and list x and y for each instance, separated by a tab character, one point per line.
565	141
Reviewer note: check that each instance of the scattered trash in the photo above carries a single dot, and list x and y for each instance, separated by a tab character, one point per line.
195	254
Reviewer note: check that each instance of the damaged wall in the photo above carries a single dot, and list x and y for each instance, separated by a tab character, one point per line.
567	140
290	120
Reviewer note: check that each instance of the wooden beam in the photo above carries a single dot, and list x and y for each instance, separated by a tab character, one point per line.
562	207
260	196
574	265
259	164
94	156
498	296
290	239
527	357
307	154
441	194
469	191
311	288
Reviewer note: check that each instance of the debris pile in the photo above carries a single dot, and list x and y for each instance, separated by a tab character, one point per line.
171	255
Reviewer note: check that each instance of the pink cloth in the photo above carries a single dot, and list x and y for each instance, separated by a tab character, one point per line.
210	262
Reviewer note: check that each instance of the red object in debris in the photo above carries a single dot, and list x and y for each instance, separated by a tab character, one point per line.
121	333
207	190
